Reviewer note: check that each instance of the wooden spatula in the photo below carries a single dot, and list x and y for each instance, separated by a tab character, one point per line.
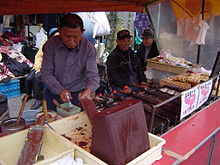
24	101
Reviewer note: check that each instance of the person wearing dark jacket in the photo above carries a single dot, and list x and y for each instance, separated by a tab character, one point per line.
123	65
148	48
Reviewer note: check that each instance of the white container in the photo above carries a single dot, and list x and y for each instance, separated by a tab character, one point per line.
68	124
11	146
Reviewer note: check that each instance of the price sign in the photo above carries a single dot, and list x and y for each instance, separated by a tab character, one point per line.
189	101
204	92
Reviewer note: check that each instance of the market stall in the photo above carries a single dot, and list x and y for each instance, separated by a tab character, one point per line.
175	150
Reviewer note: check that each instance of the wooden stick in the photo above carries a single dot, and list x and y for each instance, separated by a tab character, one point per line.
56	103
22	108
44	109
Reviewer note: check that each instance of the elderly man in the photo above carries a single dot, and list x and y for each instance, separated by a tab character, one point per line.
123	66
148	48
69	68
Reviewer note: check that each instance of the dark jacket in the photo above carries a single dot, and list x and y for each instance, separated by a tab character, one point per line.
152	53
118	69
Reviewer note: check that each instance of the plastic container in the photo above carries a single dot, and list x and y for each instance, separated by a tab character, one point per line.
12	144
73	110
11	88
69	124
29	116
52	114
53	148
10	125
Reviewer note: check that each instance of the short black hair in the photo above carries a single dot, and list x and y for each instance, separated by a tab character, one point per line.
72	21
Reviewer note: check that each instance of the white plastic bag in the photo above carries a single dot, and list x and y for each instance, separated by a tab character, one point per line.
100	24
149	74
41	38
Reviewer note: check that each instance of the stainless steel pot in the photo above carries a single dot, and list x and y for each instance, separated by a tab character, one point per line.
10	125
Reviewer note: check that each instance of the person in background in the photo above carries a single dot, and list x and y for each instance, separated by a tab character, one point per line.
148	47
123	66
33	83
69	68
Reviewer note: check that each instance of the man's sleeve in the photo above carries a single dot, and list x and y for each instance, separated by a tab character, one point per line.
47	71
92	77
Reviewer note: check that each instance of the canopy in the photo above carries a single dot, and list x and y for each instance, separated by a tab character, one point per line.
9	7
193	8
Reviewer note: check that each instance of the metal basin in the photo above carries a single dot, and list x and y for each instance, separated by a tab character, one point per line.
10	125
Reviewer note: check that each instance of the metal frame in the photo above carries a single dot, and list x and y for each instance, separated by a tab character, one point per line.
175	97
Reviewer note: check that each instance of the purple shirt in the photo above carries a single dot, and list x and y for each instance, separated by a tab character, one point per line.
71	69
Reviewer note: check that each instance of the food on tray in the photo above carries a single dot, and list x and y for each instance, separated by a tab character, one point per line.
185	80
166	58
191	78
169	91
172	83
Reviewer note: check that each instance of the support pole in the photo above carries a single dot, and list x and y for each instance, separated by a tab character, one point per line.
199	46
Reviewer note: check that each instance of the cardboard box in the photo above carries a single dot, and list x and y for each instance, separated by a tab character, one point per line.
68	124
166	67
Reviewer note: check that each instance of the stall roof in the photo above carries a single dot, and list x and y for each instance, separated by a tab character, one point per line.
8	7
193	8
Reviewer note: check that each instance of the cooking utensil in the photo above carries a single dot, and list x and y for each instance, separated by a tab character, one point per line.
24	101
59	106
44	109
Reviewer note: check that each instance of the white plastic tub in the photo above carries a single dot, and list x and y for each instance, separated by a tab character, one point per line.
68	124
11	146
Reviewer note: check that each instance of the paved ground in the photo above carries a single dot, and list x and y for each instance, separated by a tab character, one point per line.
15	104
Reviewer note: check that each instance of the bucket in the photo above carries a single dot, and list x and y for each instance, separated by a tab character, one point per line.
10	125
73	110
29	116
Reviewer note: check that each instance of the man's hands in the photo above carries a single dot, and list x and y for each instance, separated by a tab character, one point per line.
65	95
85	93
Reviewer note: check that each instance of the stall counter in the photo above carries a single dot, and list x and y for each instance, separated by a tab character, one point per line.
195	141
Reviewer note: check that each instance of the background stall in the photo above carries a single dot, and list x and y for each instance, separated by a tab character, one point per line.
48	6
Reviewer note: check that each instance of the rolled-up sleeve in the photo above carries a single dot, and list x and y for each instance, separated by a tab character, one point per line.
47	71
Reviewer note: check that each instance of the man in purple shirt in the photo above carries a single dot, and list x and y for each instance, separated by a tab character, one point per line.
69	68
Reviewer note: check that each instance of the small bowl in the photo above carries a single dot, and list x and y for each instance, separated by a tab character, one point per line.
29	116
73	110
53	115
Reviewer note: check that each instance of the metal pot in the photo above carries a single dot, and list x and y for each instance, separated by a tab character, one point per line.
10	125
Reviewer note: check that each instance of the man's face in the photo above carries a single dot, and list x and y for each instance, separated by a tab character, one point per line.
124	44
148	41
71	36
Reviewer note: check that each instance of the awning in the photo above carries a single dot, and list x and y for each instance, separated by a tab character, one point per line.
9	7
193	8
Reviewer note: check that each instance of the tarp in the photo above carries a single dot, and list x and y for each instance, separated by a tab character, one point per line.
9	7
193	8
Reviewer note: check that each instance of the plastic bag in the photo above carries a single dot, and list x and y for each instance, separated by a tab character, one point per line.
100	24
41	38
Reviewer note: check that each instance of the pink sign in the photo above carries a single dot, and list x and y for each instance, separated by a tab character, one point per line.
189	100
204	92
194	98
